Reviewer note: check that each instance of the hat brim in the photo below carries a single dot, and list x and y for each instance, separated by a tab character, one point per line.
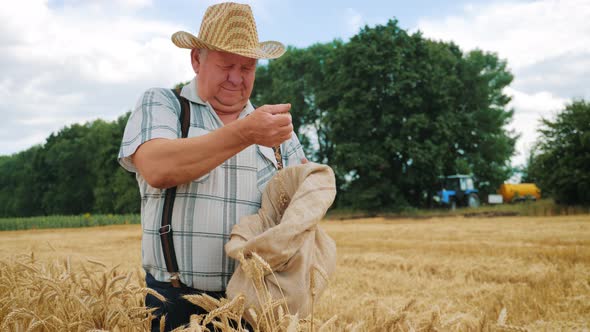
265	50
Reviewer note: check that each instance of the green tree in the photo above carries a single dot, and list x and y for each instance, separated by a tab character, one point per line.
298	78
525	171
120	184
560	163
409	110
20	194
67	165
388	110
115	189
374	78
75	172
483	144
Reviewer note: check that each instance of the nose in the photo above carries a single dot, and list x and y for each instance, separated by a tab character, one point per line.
235	76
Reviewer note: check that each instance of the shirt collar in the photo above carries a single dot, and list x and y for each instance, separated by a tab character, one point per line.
189	92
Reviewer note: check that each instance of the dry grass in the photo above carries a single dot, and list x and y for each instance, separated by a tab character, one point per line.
61	296
37	296
269	315
449	274
459	273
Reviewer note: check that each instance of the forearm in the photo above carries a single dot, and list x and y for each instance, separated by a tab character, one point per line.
165	163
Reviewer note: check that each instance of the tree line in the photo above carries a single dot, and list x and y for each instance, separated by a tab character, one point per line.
560	160
74	172
389	111
392	111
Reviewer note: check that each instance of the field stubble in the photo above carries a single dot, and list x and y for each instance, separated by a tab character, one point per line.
402	274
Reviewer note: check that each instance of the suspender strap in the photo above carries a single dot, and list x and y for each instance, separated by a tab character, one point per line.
166	229
185	113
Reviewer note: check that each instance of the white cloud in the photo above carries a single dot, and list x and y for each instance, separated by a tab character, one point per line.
354	20
541	103
79	60
75	64
135	3
529	109
524	32
99	5
105	49
31	139
546	43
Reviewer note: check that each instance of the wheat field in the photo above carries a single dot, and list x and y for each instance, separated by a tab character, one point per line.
445	274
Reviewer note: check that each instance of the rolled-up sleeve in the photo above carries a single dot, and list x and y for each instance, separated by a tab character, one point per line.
156	115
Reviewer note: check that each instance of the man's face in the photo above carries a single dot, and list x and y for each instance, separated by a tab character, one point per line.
225	80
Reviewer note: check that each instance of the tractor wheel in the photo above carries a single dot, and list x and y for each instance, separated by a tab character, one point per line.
473	200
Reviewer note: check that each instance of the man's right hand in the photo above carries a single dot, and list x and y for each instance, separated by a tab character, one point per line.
268	125
165	163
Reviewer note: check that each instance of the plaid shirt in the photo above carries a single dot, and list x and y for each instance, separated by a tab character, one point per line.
206	209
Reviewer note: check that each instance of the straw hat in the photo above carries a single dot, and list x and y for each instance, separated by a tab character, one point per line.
230	27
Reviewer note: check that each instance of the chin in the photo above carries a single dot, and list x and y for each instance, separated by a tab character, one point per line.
235	105
235	99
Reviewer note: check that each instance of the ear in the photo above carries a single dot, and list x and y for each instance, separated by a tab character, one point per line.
195	60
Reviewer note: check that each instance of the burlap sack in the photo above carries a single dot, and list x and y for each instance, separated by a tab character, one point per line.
285	234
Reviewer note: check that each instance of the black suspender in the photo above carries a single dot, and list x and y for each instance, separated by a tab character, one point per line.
166	229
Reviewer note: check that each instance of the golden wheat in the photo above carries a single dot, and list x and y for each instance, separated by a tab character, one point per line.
445	274
226	315
102	300
37	296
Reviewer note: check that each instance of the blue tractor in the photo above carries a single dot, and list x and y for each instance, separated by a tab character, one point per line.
458	190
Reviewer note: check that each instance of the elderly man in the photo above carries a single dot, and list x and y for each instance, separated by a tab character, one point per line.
217	173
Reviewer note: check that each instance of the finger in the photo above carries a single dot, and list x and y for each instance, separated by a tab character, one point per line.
285	130
282	120
286	137
304	160
277	108
284	115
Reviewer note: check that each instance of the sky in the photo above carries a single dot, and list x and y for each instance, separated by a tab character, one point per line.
72	61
